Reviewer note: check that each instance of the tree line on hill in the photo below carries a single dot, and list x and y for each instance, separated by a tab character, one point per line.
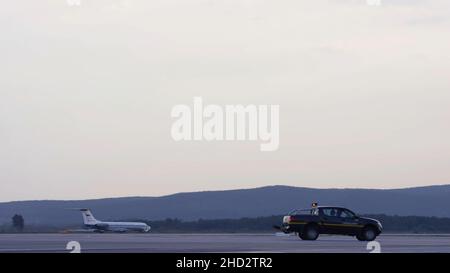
391	224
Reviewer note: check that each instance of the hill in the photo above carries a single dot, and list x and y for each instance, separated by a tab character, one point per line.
234	204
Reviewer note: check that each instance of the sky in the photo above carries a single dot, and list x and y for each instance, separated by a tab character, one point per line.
86	93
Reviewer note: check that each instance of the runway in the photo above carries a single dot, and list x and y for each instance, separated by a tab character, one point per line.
187	243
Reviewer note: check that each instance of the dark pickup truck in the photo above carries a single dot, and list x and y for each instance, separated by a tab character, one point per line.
309	223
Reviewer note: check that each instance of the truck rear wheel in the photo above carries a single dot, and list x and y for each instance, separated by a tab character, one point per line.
309	233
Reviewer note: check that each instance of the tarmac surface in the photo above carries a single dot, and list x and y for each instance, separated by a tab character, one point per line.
222	243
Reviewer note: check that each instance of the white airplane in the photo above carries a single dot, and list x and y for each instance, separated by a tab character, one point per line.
100	226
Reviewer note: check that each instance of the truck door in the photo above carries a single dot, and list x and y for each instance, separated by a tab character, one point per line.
330	222
350	222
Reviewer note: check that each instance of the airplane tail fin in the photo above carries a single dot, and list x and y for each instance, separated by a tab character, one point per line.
88	217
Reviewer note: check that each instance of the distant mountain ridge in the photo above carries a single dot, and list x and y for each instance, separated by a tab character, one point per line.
264	201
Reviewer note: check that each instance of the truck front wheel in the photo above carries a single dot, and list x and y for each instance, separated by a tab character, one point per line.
369	233
360	237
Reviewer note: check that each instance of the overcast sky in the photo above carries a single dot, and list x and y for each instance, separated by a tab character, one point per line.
86	93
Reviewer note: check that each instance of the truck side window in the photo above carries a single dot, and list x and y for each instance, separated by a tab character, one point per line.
346	214
331	212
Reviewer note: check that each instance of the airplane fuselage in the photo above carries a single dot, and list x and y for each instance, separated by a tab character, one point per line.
99	226
120	226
